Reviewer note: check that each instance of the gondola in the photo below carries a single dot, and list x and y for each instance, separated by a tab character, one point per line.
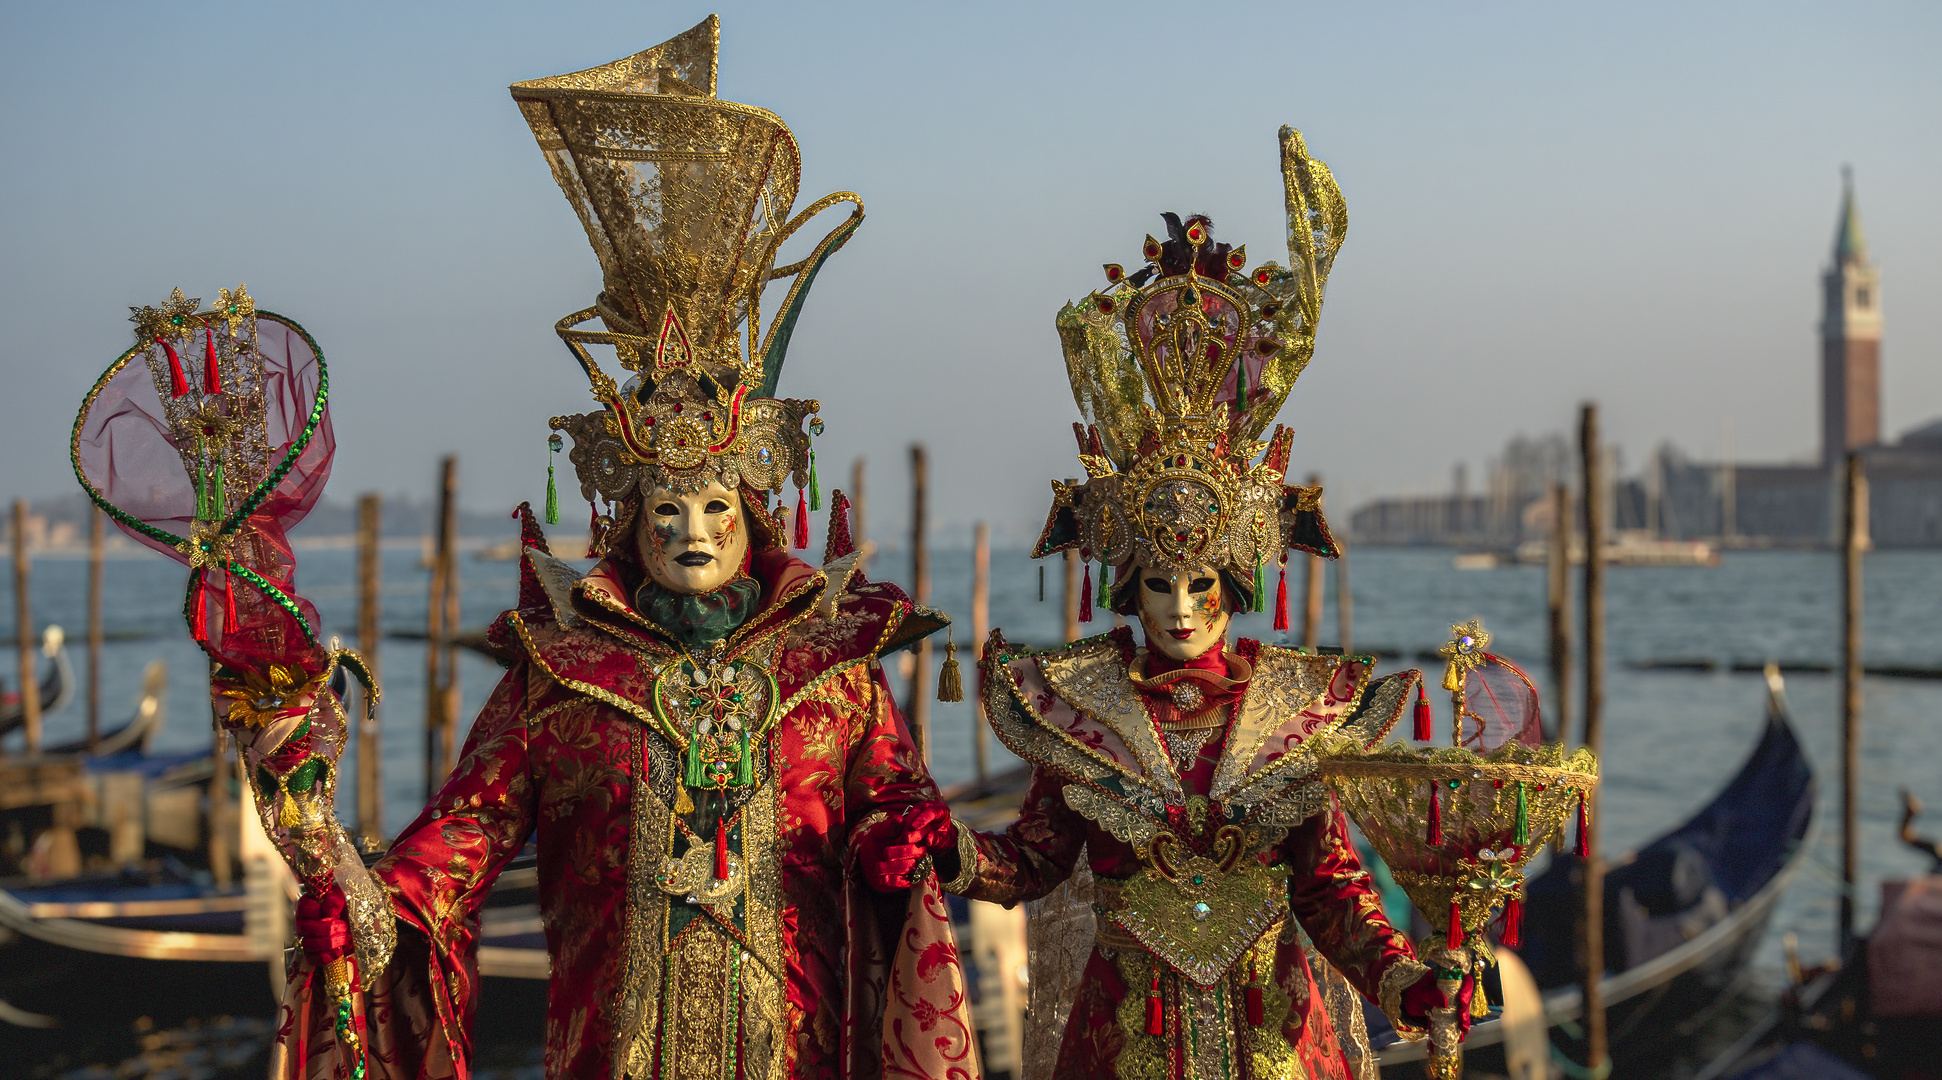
57	686
1682	916
132	739
156	931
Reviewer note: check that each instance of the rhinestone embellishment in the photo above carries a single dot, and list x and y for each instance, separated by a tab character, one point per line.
1187	696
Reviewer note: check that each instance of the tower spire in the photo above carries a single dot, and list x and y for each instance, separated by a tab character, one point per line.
1850	244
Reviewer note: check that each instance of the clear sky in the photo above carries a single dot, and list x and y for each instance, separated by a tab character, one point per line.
1547	202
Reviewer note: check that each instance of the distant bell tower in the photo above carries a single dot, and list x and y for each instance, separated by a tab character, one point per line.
1850	339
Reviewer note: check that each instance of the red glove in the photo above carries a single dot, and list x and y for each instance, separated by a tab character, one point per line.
891	851
322	928
1423	995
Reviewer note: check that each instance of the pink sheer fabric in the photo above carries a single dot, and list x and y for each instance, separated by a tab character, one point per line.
136	457
1502	703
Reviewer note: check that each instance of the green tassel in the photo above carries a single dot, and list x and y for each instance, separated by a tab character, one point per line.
553	442
202	492
815	492
1105	600
218	492
692	776
745	765
1261	585
1523	836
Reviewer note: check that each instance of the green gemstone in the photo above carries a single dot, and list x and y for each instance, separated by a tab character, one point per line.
1200	879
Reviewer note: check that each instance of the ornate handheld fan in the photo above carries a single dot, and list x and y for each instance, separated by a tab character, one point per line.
207	440
1458	824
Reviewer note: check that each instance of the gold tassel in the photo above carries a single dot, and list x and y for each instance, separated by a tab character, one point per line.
950	684
286	815
683	803
1479	1004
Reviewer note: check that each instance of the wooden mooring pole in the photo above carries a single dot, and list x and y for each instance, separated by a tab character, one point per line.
918	703
1344	598
96	541
859	521
1317	587
1854	542
370	618
441	619
24	629
1559	587
980	628
1591	912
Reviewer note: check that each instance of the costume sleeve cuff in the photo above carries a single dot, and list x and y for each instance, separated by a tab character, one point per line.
967	861
374	924
1400	976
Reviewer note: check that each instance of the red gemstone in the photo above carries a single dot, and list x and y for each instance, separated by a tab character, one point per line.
1261	276
1235	260
1114	271
1151	251
1195	235
677	407
1106	305
1213	351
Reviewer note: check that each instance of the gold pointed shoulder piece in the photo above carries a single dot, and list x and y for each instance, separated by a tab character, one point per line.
683	65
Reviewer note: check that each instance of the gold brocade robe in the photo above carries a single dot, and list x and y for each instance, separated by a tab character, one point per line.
1233	926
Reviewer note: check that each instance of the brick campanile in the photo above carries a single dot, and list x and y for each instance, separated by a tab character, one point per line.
1850	339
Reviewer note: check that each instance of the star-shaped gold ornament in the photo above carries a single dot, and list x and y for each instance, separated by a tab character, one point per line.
171	321
257	700
1464	651
233	308
207	547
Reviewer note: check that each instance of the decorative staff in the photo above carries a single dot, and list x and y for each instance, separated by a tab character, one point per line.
211	463
1458	824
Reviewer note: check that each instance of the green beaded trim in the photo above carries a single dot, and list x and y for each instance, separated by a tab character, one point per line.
235	520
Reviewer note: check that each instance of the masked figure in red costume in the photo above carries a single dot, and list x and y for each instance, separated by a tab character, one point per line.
698	732
1214	922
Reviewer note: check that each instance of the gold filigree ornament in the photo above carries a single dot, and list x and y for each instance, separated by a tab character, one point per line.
1177	369
1456	829
1199	913
686	199
258	700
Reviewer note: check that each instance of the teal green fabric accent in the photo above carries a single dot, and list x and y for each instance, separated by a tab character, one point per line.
785	321
698	620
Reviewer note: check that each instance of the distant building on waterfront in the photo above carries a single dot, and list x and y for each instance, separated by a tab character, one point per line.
1737	504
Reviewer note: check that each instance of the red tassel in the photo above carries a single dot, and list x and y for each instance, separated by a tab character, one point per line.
1584	831
230	625
1513	935
1257	1013
1436	814
1156	1013
802	520
199	611
1281	599
1423	718
1085	596
178	382
212	377
1455	936
721	851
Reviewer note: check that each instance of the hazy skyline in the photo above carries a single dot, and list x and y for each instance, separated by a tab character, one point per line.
1547	205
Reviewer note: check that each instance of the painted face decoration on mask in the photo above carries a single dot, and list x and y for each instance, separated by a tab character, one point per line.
1184	612
692	543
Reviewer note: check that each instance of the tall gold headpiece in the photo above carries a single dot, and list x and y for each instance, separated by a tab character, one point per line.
1177	369
686	199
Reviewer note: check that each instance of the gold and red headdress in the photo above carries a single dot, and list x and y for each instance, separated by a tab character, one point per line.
1177	369
686	199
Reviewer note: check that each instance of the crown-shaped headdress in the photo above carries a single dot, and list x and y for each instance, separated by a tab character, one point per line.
1177	369
686	199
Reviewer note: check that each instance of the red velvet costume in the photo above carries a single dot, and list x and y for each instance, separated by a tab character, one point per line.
1244	1000
646	981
